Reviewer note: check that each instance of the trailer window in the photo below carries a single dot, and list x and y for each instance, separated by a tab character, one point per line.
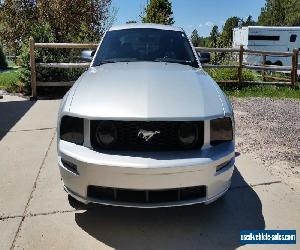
261	37
293	38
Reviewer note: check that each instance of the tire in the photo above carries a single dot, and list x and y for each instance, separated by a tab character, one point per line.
268	63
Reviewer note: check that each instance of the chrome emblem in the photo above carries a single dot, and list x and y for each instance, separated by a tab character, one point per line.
147	135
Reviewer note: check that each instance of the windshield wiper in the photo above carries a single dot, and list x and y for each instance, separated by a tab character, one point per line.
107	61
115	60
173	60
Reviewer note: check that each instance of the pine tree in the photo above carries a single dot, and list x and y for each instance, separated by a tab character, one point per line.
227	36
195	38
214	36
280	13
292	13
158	11
249	21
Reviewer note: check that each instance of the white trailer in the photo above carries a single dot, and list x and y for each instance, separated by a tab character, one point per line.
283	39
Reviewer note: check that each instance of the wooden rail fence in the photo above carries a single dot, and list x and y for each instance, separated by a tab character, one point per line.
34	65
240	66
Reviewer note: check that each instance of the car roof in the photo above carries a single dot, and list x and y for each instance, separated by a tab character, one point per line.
145	26
270	27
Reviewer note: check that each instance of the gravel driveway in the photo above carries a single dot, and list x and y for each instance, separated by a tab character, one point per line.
269	131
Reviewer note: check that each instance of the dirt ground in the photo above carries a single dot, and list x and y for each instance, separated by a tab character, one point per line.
269	131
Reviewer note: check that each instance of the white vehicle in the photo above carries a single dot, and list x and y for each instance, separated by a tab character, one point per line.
283	39
145	126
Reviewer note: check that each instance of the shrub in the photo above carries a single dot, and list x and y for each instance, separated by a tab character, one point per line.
43	34
25	70
3	62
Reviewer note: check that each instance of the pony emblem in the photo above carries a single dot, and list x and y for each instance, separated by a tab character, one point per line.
147	135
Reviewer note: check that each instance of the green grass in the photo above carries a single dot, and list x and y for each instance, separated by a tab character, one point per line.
228	74
9	80
255	90
265	91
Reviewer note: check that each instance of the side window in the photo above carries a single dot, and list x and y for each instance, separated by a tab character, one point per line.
293	38
263	38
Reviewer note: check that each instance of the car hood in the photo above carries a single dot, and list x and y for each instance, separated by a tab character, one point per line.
147	90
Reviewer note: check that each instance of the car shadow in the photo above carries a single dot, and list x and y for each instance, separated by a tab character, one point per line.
11	112
215	226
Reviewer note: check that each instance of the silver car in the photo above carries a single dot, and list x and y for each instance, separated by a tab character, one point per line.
145	126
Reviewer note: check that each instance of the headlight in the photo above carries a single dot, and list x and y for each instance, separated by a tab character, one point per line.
221	130
71	129
106	134
188	134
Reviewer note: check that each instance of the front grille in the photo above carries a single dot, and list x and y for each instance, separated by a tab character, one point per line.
166	139
146	196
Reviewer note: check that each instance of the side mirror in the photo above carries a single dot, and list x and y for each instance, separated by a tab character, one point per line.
204	57
87	55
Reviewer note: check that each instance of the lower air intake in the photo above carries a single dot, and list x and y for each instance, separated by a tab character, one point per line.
146	196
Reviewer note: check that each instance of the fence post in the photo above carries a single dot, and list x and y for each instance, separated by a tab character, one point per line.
264	64
294	73
32	69
240	69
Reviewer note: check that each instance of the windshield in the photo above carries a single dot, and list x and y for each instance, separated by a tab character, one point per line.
155	45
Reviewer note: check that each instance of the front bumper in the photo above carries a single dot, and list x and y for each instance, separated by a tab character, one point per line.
146	171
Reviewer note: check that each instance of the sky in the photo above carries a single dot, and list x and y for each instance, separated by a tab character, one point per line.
193	14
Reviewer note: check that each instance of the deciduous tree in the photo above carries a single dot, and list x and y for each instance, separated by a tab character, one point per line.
67	21
16	20
75	20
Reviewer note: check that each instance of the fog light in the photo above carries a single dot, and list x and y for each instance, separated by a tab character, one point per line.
70	166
